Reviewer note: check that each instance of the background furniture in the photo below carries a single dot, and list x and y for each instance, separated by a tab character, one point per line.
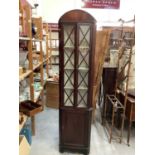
122	41
107	86
33	64
109	80
52	94
130	110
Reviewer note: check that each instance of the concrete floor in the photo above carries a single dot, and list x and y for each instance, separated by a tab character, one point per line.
46	140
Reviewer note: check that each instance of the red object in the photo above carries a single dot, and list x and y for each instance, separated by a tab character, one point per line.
53	26
101	4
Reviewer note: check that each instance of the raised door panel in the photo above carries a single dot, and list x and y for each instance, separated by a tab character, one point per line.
74	128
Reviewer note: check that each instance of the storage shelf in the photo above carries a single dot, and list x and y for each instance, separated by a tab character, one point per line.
84	47
24	75
114	50
24	38
36	40
55	55
34	51
55	48
68	68
24	121
49	48
115	39
35	61
69	47
45	34
129	38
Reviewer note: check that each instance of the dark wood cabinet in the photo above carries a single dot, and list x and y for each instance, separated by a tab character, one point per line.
109	80
76	46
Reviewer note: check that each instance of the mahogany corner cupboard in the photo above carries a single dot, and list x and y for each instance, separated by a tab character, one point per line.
76	46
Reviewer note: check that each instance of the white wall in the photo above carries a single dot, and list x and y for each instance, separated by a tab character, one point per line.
52	10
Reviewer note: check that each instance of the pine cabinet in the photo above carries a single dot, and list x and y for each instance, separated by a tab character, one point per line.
76	46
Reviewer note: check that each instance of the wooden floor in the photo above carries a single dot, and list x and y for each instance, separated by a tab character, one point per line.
46	140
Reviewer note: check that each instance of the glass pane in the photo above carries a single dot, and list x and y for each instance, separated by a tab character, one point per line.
68	58
69	45
68	79
84	46
82	79
69	36
68	97
84	34
82	98
83	61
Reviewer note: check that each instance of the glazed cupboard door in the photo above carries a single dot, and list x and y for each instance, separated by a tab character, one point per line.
76	65
76	47
68	65
83	66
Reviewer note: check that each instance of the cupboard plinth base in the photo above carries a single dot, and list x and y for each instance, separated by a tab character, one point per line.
73	149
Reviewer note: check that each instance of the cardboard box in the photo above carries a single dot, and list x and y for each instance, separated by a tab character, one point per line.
52	94
24	147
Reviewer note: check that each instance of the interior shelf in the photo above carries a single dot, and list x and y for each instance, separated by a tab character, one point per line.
82	88
55	48
84	47
128	38
69	47
55	55
83	69
37	40
69	68
67	87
